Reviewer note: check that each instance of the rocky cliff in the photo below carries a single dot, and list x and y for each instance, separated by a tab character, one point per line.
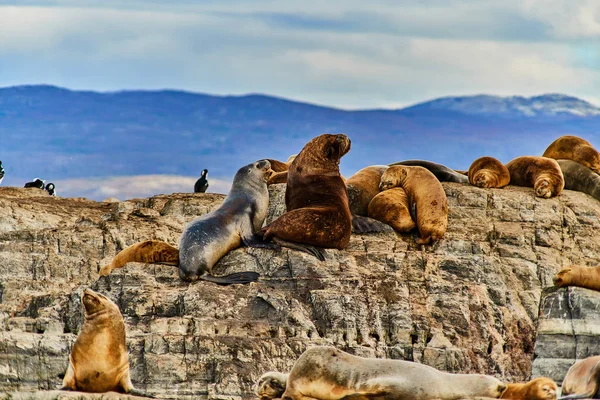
477	301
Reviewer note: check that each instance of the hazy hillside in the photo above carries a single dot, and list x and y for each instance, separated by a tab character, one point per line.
60	134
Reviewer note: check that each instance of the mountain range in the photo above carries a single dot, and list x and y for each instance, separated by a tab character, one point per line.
60	134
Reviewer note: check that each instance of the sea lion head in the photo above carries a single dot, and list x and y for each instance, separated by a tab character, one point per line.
485	179
323	151
563	278
590	154
94	302
392	177
264	166
543	389
543	188
258	172
271	385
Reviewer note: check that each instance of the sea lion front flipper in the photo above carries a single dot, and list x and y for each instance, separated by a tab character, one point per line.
237	278
362	224
312	250
256	241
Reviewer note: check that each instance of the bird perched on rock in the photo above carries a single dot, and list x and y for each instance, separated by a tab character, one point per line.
37	183
201	184
1	172
51	189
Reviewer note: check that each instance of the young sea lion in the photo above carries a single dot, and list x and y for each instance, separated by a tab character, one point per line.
441	172
328	373
208	238
362	187
271	385
576	149
426	198
580	276
391	207
580	178
582	379
536	389
280	170
98	361
488	172
316	200
543	174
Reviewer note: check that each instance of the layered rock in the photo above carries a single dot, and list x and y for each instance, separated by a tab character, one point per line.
470	303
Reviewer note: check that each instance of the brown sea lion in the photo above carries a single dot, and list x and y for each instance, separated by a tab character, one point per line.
488	172
206	239
328	373
580	276
576	149
362	187
98	361
271	385
280	170
581	381
441	172
391	207
536	389
318	214
427	200
543	174
580	178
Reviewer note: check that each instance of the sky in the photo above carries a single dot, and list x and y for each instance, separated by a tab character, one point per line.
343	53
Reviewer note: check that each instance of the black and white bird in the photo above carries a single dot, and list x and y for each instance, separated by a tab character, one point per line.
1	172
37	183
51	189
201	184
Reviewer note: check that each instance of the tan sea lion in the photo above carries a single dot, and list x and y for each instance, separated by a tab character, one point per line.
362	187
441	172
536	389
581	380
271	385
318	214
206	239
98	361
280	170
580	178
391	207
427	200
328	373
488	172
543	174
580	276
576	149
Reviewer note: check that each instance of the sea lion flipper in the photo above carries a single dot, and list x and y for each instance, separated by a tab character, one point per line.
362	224
255	240
312	250
237	278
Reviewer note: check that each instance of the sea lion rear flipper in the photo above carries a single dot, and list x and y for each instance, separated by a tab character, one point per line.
237	278
312	250
362	224
257	241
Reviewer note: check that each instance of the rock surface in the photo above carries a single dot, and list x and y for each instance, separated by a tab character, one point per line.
472	303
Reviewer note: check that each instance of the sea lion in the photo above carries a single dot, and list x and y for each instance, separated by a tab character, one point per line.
441	172
98	361
325	372
280	170
209	237
316	200
580	178
581	380
576	149
543	174
271	385
577	275
537	389
362	187
488	172
391	207
427	200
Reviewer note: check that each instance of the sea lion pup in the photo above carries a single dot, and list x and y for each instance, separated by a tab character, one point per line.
271	385
325	372
441	172
537	389
427	200
543	174
580	178
98	361
362	187
391	207
581	380
316	200
576	149
488	172
580	276
209	237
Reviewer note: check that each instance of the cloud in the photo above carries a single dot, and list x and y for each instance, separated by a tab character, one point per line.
128	187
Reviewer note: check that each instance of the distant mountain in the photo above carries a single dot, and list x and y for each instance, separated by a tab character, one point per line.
55	133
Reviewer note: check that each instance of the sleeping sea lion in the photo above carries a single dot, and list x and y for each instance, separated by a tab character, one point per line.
98	361
271	385
580	178
328	373
543	174
441	172
488	172
536	389
427	200
362	187
581	380
576	149
316	200
391	207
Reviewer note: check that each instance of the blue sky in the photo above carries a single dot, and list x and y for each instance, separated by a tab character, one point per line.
345	53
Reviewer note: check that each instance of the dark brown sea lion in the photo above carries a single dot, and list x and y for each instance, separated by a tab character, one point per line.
328	373
581	381
98	361
318	214
392	207
441	172
580	178
426	198
536	389
362	187
271	385
488	172
577	275
576	149
543	174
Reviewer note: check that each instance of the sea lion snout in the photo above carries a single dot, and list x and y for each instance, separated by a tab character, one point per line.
263	164
559	280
